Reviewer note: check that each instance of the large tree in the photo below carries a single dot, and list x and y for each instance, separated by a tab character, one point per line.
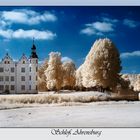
106	63
54	75
102	65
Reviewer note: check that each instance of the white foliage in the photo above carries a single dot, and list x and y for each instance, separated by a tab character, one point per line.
54	71
134	80
101	66
42	77
68	74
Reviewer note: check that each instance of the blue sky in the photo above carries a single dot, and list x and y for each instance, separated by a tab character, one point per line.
71	31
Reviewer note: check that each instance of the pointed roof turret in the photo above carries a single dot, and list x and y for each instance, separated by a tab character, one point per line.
33	51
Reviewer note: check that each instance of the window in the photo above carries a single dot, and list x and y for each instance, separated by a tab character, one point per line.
1	78
6	78
12	87
12	69
36	78
22	69
22	78
30	69
5	62
1	87
1	69
36	69
36	61
23	62
29	87
7	87
12	78
30	78
36	87
8	62
22	87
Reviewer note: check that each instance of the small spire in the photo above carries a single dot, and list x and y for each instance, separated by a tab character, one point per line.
33	40
33	52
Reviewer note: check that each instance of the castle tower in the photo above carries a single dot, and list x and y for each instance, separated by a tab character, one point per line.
33	68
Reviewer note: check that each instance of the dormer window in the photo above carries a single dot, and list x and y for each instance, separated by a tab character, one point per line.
6	62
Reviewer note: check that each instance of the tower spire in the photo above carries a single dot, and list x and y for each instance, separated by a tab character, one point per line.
33	51
33	40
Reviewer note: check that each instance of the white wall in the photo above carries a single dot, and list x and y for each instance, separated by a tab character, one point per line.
17	75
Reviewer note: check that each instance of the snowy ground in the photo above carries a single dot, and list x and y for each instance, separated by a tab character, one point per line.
95	114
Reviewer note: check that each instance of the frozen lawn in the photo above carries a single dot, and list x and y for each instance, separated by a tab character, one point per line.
95	114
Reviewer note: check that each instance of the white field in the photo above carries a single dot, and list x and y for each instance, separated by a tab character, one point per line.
70	114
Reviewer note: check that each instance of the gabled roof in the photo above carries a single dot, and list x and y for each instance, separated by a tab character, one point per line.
7	58
23	58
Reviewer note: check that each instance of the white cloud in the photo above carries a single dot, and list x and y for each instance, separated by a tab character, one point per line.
98	28
66	59
25	16
27	34
103	26
109	20
130	54
88	31
6	33
130	23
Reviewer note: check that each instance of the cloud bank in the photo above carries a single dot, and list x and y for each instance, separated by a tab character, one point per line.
27	34
106	25
130	54
130	23
25	16
28	18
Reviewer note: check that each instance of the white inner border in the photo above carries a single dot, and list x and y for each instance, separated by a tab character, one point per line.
70	2
36	134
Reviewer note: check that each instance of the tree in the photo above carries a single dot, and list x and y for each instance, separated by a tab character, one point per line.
54	73
137	84
68	75
42	77
102	65
106	62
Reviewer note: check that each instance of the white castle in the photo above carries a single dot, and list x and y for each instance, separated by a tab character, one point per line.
19	77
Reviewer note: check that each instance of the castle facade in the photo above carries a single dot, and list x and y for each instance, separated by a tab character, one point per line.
19	77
